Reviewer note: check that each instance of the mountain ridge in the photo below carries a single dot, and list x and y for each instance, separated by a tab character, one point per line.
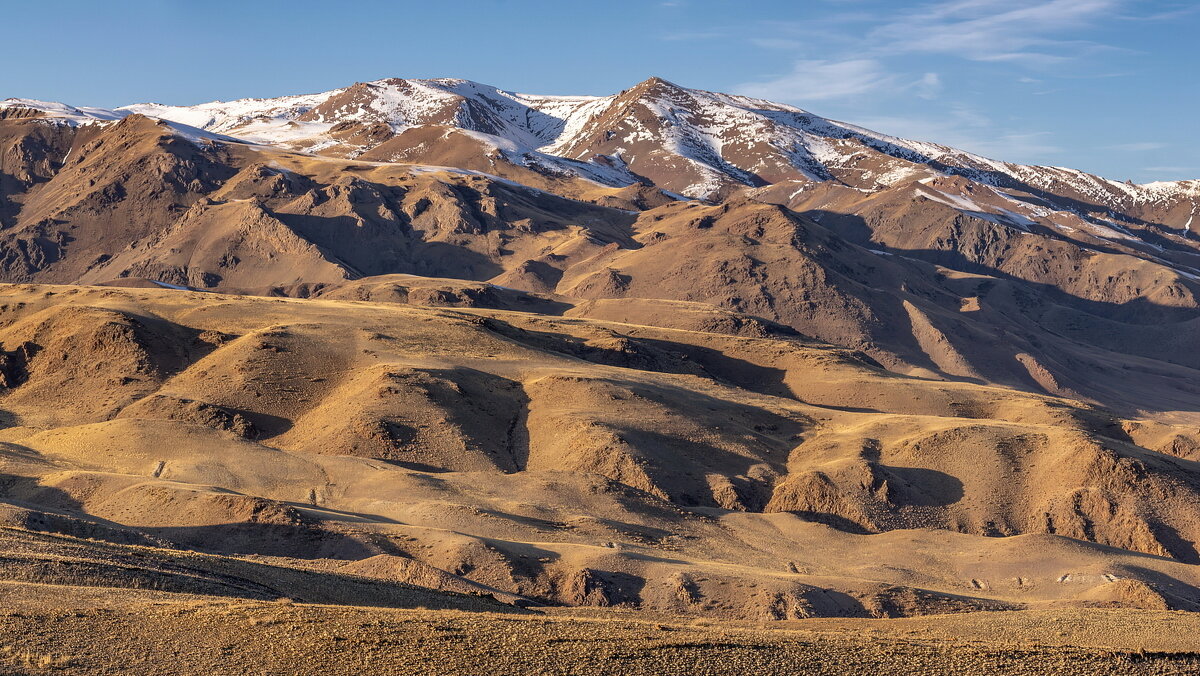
438	93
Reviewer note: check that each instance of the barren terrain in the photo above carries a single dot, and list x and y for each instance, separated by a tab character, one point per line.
423	375
89	632
576	460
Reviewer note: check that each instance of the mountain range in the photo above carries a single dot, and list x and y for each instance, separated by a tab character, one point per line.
929	259
667	349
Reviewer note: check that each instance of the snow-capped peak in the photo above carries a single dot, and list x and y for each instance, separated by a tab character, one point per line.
691	141
62	112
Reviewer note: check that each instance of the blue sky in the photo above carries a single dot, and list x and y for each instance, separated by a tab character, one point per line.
1108	86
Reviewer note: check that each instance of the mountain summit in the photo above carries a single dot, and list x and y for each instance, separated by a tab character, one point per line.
697	143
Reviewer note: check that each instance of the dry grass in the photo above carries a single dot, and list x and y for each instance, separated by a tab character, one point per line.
149	634
34	660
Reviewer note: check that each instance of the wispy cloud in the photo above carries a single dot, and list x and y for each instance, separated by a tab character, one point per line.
929	86
968	129
1179	171
1030	33
1138	147
821	80
972	74
777	43
693	35
994	30
1183	10
817	80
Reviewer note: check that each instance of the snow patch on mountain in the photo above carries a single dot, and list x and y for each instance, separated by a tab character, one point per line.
61	112
716	142
251	116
